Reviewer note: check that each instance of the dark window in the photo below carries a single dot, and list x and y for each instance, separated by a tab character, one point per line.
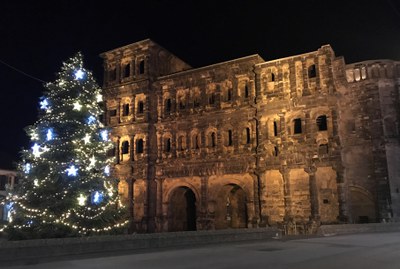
127	70
321	123
326	201
229	95
139	146
112	74
211	99
181	103
312	72
125	110
275	128
140	107
230	140
196	101
195	142
297	126
125	147
246	91
213	140
180	143
3	182
112	112
168	105
272	77
141	67
247	135
168	145
276	151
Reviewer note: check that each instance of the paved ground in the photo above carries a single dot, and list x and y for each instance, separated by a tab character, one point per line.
377	250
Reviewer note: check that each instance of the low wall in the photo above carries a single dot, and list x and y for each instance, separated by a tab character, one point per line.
338	229
26	251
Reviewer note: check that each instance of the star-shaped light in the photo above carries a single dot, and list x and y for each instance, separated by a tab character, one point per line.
44	104
86	139
49	135
92	163
79	74
99	97
97	197
36	150
77	106
36	182
72	171
91	119
107	170
27	168
81	200
104	135
34	135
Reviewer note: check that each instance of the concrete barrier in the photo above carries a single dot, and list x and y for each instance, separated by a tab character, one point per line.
26	251
337	229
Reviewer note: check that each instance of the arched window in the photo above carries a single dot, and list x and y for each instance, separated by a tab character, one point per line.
272	77
181	145
212	140
141	67
140	107
246	91
297	128
127	70
229	94
275	128
246	136
168	105
125	147
139	146
229	141
322	123
312	72
195	141
168	145
125	110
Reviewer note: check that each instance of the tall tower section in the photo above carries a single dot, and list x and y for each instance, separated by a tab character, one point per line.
131	111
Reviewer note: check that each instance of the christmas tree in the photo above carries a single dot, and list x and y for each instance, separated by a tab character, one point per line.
65	186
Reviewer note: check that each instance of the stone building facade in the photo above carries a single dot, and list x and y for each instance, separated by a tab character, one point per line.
250	143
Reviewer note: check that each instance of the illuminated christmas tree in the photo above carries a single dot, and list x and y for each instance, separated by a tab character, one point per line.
66	188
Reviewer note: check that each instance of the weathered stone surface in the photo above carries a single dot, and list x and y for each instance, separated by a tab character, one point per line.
301	140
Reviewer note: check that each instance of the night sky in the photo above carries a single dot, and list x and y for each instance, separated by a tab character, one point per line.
37	36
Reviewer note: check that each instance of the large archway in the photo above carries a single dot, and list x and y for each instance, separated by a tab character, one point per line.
231	211
362	207
182	210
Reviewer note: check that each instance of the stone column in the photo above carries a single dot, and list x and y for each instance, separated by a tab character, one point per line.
313	193
131	204
203	218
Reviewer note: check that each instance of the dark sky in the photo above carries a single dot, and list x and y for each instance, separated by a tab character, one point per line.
37	36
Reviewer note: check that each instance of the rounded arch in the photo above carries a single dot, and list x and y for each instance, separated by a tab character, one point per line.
211	137
170	191
214	192
362	207
231	206
182	209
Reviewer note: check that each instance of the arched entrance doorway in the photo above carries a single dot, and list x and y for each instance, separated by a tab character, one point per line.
231	209
182	210
362	207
